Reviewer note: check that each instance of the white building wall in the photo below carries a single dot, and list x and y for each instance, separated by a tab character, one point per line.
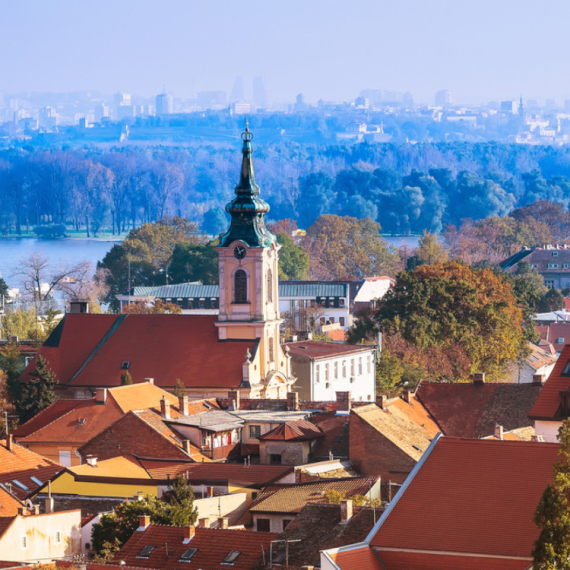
548	430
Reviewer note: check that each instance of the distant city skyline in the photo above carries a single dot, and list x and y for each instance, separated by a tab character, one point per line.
326	50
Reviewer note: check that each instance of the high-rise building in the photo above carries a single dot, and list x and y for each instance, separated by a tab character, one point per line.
211	99
443	98
164	104
101	112
259	92
238	93
48	118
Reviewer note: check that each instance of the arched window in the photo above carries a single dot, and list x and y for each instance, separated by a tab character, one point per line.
269	286
271	349
240	286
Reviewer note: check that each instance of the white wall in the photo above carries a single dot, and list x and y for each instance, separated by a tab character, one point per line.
548	430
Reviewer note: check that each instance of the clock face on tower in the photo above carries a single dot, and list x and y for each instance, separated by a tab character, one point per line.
239	252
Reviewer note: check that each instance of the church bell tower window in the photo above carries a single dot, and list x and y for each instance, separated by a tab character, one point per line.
270	286
240	290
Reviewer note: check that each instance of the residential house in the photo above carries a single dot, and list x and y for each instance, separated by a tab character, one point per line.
389	440
23	472
60	430
539	362
556	334
552	406
367	292
290	443
237	349
277	505
160	547
474	409
440	518
551	261
324	368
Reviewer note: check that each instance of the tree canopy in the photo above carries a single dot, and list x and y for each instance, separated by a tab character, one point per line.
39	392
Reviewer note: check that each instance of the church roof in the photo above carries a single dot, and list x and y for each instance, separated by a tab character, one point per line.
163	347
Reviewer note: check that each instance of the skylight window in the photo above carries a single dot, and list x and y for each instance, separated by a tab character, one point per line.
36	480
231	557
187	556
566	371
206	405
416	447
81	421
146	551
21	485
125	365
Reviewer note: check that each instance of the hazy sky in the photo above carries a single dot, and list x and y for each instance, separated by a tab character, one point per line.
329	49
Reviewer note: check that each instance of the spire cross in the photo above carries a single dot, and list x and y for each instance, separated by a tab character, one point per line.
246	136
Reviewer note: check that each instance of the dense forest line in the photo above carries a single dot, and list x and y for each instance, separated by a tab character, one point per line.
407	188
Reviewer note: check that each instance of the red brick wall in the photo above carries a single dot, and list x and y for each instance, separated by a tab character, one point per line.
373	454
131	435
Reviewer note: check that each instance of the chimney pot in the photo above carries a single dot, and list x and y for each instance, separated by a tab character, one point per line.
144	521
343	401
165	407
91	460
479	378
345	510
234	398
538	378
187	448
293	401
183	405
23	511
189	532
204	523
383	401
149	380
499	432
9	441
101	396
49	505
223	523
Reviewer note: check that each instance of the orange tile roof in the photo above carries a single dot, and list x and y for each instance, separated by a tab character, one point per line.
357	559
212	547
46	416
395	425
555	332
427	561
9	504
548	402
415	411
471	496
140	396
471	410
315	349
338	335
292	498
539	357
21	464
78	425
117	467
5	524
299	430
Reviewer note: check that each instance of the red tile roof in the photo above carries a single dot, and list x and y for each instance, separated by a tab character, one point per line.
71	343
5	524
427	561
163	347
254	475
357	559
21	464
299	430
318	349
56	410
548	402
213	545
471	496
555	332
470	410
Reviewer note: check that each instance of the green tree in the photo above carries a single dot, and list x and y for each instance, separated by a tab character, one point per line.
430	251
453	305
364	329
12	363
39	392
552	516
293	259
552	300
3	289
389	371
126	378
176	510
215	221
180	389
194	262
21	323
50	321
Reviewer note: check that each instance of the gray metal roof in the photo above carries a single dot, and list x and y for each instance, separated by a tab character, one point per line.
312	290
187	291
216	420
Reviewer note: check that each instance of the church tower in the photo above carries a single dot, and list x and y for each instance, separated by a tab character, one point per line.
249	284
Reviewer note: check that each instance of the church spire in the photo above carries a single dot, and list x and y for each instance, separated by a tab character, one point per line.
247	209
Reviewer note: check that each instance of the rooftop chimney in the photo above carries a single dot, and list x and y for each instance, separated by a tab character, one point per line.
144	521
343	401
149	380
49	505
204	522
23	511
407	396
293	401
91	460
345	510
478	378
187	446
9	441
183	405
223	522
499	432
101	396
189	532
538	378
165	407
382	401
233	397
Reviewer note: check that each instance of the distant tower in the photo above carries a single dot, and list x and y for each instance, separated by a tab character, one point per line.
443	98
521	107
164	104
259	92
238	93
